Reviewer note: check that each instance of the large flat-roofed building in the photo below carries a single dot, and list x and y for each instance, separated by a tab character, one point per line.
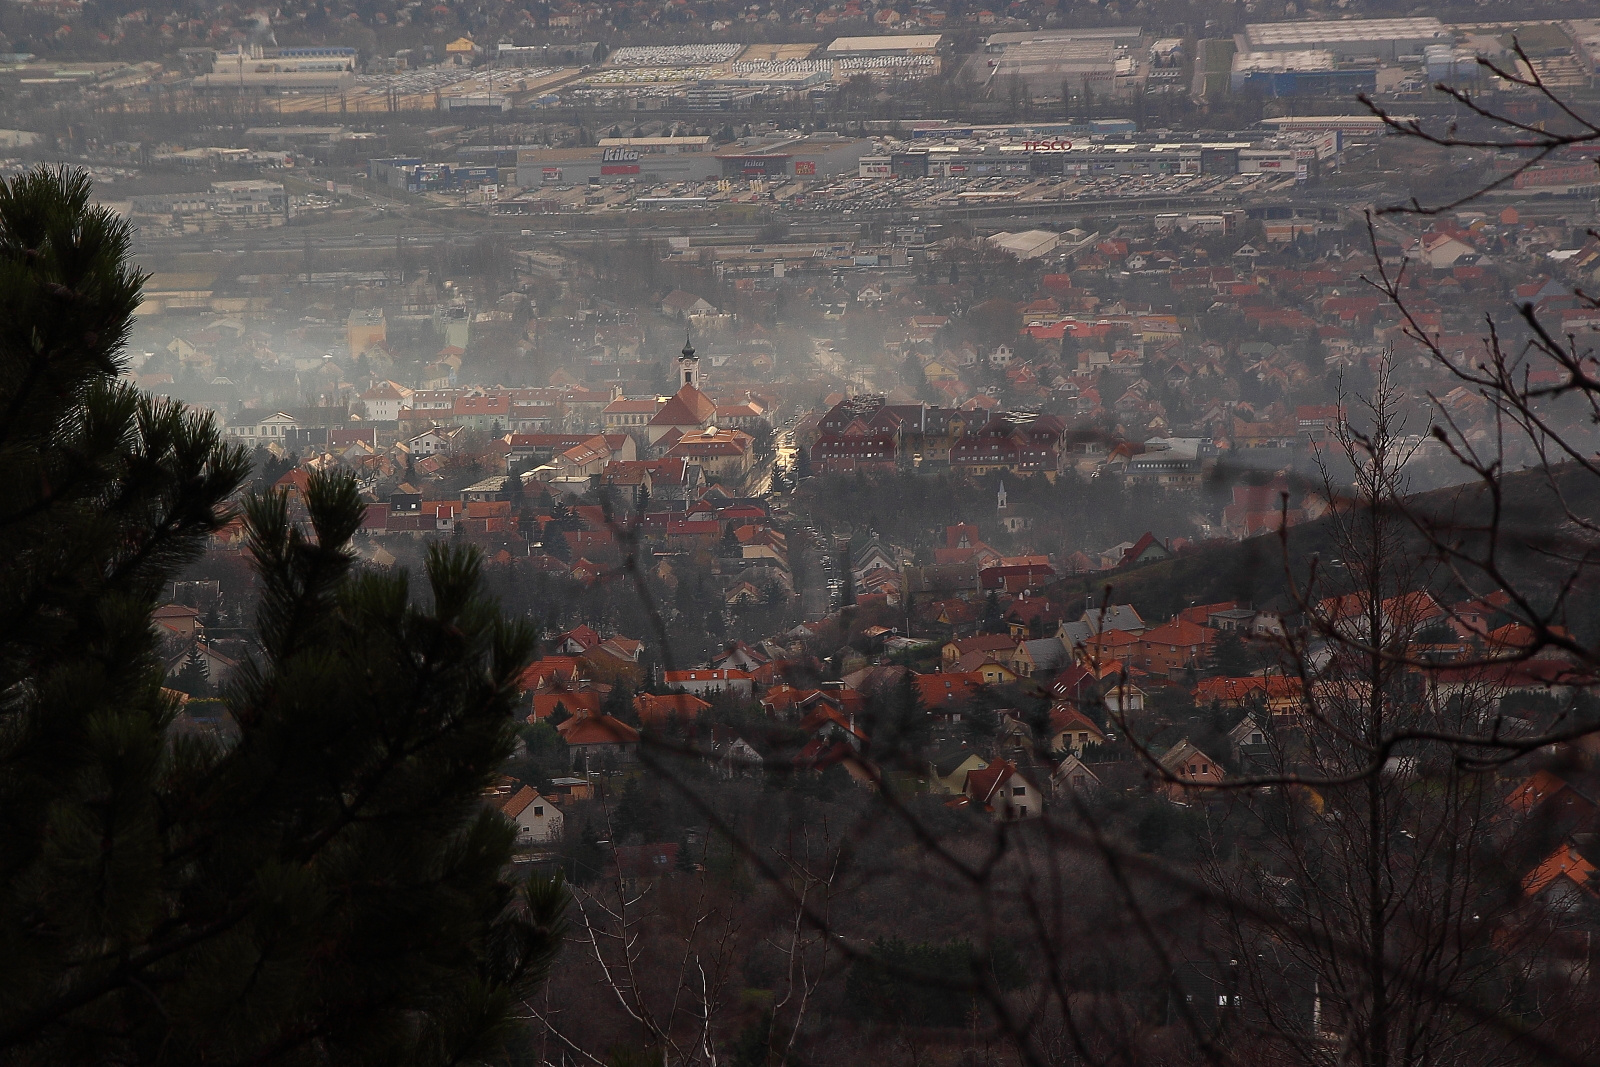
295	136
289	68
1099	61
905	44
658	146
1313	72
1362	126
582	53
612	163
1120	35
1346	38
913	159
806	158
1047	64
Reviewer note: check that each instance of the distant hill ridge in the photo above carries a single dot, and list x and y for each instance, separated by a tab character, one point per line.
1534	524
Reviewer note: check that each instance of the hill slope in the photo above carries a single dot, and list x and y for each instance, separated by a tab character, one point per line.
1539	547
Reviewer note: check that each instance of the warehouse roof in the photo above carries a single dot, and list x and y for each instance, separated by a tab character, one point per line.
906	42
1275	35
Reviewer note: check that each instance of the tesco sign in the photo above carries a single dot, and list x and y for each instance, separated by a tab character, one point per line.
1047	146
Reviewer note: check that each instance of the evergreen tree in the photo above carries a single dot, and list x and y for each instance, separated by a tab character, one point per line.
619	704
899	725
982	725
585	859
195	676
1230	657
324	885
994	616
555	542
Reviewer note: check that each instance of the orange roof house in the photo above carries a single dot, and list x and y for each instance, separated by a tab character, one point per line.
598	732
1277	691
1565	870
586	702
1071	729
1191	768
1004	792
657	712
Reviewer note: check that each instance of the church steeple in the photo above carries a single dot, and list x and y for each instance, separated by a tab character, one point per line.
688	364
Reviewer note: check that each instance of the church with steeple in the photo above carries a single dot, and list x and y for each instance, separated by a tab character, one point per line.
687	411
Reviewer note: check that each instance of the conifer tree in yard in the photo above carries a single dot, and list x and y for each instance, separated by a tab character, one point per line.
326	885
194	677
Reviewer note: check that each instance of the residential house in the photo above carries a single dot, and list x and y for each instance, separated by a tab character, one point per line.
1186	769
681	305
1247	738
179	620
1039	658
574	702
873	557
385	400
218	666
436	441
251	428
1175	647
1072	730
1566	879
1072	773
1017	574
1145	550
947	772
629	416
726	455
537	819
577	641
1560	800
600	737
667	710
1279	694
703	681
946	695
952	651
1004	792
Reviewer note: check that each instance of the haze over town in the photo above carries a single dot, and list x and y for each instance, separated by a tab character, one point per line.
1057	532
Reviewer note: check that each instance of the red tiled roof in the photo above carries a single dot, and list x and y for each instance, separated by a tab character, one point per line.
656	711
597	730
981	784
688	407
